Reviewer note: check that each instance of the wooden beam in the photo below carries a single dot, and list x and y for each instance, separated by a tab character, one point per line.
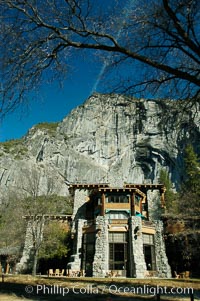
133	204
103	200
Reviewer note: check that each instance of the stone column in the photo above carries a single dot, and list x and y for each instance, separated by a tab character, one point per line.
163	268
136	258
154	205
100	264
79	209
80	198
75	259
26	260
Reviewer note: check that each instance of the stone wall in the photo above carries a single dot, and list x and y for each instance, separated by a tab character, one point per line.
137	261
80	198
100	264
163	268
154	204
78	217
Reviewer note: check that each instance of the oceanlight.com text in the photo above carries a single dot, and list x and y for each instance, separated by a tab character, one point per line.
149	290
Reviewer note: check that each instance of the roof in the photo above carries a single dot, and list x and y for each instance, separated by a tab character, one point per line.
125	187
89	185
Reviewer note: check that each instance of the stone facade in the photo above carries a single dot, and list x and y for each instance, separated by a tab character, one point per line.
75	260
26	263
132	259
137	262
154	205
81	197
100	264
163	267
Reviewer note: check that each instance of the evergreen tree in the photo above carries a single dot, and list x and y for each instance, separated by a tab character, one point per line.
183	228
192	170
170	195
189	201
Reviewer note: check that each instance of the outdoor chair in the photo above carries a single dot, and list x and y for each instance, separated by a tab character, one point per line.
62	272
73	273
50	272
177	276
187	274
57	272
146	274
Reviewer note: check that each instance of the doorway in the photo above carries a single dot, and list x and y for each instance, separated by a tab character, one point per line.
149	252
88	252
118	252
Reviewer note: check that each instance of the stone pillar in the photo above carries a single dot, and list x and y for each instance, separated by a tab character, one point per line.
100	264
75	259
26	259
163	268
79	209
136	258
154	205
80	198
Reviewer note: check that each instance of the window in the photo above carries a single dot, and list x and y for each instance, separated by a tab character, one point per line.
118	237
88	250
148	239
137	200
118	215
118	256
117	198
144	206
149	251
117	250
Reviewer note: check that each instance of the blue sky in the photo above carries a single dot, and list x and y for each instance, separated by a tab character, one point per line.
53	103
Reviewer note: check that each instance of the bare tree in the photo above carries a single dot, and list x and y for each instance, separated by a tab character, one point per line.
34	201
37	210
150	43
12	225
40	199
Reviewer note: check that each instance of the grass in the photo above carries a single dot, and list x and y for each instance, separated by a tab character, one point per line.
14	147
47	126
26	287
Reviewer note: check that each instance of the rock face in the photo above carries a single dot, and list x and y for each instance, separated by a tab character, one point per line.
110	138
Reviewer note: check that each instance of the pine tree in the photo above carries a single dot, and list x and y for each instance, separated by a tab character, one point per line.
189	202
192	170
170	195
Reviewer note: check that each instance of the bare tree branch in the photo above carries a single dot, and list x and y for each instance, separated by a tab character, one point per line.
161	38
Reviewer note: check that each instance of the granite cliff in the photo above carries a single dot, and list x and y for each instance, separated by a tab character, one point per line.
110	138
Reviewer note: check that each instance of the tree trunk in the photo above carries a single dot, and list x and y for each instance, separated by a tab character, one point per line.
35	260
